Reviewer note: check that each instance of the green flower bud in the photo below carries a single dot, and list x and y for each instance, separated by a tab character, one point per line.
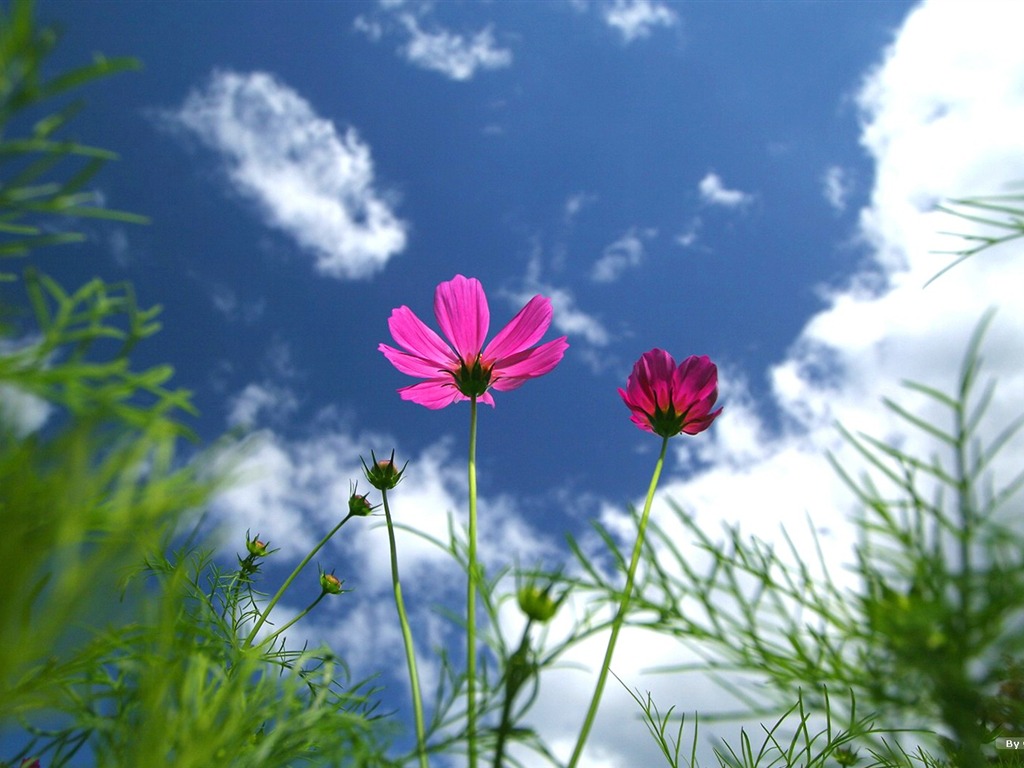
358	504
383	474
537	603
330	583
256	547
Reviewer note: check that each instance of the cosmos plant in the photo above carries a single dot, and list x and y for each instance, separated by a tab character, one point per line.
464	369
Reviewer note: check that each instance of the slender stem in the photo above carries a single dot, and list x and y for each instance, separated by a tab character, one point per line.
514	678
471	594
410	652
287	583
620	617
309	608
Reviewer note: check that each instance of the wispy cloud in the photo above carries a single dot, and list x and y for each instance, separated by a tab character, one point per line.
688	237
636	19
575	203
307	178
261	402
225	300
713	190
586	331
625	253
837	187
451	54
456	56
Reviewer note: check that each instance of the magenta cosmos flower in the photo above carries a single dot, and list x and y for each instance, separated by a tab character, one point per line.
666	399
463	367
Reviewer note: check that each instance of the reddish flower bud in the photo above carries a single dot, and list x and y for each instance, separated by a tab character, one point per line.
383	474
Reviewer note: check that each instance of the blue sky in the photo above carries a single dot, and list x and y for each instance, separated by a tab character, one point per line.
749	180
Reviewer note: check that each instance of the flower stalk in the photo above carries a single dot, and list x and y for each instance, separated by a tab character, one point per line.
410	650
620	616
265	614
471	595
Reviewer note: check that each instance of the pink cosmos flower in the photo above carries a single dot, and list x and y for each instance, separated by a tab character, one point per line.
462	367
668	400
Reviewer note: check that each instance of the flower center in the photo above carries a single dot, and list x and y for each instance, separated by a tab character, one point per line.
473	379
667	423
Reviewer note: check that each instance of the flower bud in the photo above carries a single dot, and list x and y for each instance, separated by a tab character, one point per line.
383	474
330	583
537	603
256	547
358	504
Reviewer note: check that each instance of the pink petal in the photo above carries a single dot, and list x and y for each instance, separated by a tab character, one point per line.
434	394
413	334
635	395
528	364
701	424
411	365
439	393
523	331
696	379
460	307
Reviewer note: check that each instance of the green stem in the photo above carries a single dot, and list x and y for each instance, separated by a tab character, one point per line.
410	652
287	583
620	617
514	679
471	594
309	608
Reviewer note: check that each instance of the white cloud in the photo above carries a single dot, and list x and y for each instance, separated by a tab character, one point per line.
261	402
451	54
575	203
21	411
636	19
567	317
438	49
713	191
837	187
688	237
308	179
226	301
625	253
587	333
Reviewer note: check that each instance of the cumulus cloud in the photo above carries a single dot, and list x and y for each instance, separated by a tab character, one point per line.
438	49
636	19
307	178
292	490
713	191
